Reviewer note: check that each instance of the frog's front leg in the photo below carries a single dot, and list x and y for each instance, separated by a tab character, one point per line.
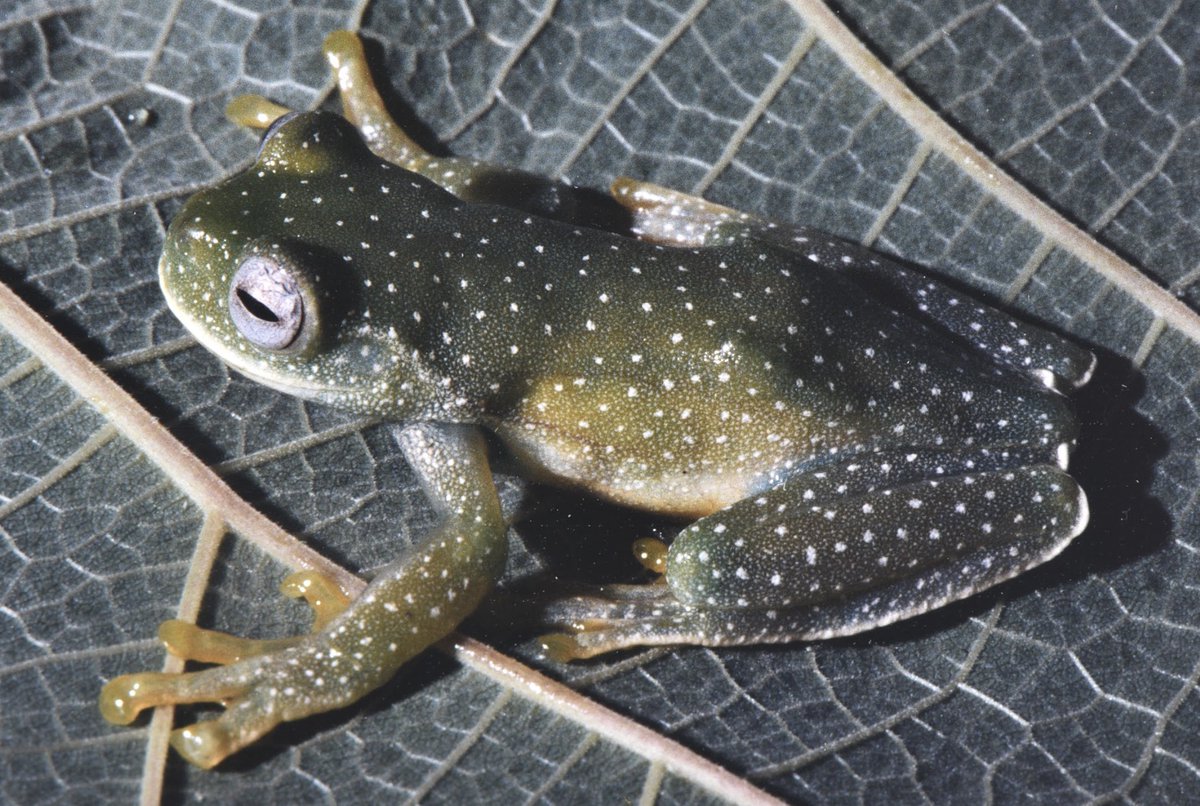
469	179
363	106
416	600
835	551
669	216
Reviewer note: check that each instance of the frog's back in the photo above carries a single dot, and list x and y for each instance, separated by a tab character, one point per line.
681	380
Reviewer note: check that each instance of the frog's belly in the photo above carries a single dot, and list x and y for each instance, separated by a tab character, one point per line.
677	486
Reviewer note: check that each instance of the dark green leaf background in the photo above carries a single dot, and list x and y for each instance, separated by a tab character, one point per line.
1073	683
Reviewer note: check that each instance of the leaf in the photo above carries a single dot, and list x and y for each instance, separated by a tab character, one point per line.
1042	153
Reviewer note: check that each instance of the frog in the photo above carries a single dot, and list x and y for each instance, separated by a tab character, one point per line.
847	441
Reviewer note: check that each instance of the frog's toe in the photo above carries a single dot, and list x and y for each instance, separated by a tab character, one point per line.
204	744
250	708
599	639
124	697
190	642
246	718
561	647
187	641
652	554
667	216
618	617
671	625
320	592
254	111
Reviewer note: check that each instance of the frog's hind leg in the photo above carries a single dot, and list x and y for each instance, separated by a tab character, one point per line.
831	552
669	216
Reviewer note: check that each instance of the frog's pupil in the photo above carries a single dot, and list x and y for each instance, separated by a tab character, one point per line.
256	308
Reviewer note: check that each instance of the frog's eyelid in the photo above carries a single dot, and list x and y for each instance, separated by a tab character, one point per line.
275	126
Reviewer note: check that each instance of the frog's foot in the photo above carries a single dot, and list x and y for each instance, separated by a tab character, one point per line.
357	646
671	217
616	617
268	682
124	697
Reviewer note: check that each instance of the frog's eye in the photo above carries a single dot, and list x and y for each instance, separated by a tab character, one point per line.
275	126
266	302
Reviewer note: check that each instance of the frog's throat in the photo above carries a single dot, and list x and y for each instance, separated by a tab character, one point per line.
280	382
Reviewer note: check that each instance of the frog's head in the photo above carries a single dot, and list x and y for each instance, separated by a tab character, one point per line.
273	270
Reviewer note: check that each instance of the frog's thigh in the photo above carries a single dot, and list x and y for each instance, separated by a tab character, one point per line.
1053	360
812	563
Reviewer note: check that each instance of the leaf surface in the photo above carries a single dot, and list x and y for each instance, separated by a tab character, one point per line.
1043	154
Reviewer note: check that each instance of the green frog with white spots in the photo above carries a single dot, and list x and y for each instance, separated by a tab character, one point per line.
849	442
